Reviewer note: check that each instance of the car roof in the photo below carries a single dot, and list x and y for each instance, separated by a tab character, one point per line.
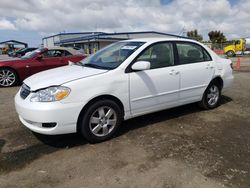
71	50
159	39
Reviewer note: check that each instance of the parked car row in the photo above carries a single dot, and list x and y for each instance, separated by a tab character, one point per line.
15	70
21	52
124	80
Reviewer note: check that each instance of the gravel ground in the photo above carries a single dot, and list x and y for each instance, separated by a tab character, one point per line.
184	147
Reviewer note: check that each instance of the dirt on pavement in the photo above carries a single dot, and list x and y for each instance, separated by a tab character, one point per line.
176	148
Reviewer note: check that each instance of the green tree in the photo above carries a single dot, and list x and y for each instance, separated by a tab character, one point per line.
217	37
194	35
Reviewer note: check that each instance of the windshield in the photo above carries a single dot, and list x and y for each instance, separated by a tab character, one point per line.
32	53
112	56
21	50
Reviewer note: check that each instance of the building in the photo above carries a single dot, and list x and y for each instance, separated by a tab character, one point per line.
10	45
92	41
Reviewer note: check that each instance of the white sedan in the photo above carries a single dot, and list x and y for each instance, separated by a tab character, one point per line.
124	80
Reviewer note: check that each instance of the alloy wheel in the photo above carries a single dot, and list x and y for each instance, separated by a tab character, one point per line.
7	78
213	95
103	121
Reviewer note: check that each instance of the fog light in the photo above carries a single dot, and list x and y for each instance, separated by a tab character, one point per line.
48	125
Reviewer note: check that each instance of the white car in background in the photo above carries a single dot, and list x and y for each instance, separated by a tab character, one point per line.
124	80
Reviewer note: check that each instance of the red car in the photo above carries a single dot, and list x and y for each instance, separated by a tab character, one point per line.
13	71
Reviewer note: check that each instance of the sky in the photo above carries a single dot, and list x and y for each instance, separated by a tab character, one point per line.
31	20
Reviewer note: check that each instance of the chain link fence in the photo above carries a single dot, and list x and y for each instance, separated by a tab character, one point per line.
217	46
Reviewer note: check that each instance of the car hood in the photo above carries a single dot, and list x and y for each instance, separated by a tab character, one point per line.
59	76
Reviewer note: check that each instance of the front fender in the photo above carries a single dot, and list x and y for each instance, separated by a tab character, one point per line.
229	48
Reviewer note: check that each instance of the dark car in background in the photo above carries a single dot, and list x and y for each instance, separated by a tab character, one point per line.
13	71
20	52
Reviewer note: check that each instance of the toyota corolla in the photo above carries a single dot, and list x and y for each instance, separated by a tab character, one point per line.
124	80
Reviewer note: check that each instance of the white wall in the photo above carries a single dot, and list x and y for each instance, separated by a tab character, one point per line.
48	42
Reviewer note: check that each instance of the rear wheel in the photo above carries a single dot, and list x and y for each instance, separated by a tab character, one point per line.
8	77
211	96
100	121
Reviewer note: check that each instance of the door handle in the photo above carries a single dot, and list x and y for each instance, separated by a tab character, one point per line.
209	66
172	72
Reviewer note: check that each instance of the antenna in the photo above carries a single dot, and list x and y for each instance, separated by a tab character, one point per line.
183	31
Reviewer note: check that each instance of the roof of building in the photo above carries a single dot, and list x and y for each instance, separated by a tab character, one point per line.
92	36
74	33
14	42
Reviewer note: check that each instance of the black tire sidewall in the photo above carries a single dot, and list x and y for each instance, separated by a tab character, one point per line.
16	77
84	124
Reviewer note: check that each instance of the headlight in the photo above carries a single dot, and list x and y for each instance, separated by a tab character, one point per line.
50	94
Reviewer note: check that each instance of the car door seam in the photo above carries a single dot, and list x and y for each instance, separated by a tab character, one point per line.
152	96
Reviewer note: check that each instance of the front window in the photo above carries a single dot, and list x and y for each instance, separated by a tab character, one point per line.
237	42
22	50
112	56
53	53
159	55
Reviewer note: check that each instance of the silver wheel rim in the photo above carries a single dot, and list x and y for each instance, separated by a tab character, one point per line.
7	78
102	121
213	95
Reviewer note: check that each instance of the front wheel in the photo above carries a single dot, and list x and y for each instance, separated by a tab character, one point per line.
100	121
230	53
211	96
8	77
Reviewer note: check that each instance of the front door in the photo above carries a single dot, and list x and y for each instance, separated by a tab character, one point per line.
53	58
156	88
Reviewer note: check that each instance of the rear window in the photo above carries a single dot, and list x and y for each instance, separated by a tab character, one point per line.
191	53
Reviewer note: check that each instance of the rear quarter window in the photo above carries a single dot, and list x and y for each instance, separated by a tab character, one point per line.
67	53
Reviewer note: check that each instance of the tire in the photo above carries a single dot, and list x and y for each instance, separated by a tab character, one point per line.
230	53
96	125
8	77
211	97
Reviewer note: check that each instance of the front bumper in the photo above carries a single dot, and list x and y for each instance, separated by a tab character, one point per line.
34	114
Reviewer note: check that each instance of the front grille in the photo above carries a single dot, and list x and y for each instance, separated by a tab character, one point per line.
25	91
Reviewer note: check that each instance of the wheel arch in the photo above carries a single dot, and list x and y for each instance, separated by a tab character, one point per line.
98	98
219	80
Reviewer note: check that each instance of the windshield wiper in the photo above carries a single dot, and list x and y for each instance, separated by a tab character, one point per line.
96	66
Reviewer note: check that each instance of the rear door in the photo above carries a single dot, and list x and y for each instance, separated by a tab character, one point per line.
196	71
156	88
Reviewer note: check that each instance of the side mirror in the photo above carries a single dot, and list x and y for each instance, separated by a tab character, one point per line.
70	63
141	65
39	57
